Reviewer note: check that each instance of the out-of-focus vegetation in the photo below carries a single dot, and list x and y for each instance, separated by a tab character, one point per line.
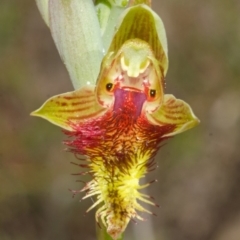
199	171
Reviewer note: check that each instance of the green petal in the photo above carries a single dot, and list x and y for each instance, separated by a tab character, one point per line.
76	33
68	109
141	22
174	112
43	8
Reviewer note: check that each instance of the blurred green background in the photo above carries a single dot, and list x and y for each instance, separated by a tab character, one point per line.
198	172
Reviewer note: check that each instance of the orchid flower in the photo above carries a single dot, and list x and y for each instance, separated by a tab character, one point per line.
119	114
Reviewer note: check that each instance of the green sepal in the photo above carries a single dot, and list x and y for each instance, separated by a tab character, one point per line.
174	112
141	22
67	110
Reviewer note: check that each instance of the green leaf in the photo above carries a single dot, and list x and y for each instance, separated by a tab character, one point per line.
108	13
43	8
76	33
103	10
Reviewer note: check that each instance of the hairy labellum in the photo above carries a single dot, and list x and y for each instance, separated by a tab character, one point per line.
120	146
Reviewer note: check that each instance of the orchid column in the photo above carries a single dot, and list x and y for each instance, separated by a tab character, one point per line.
119	114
